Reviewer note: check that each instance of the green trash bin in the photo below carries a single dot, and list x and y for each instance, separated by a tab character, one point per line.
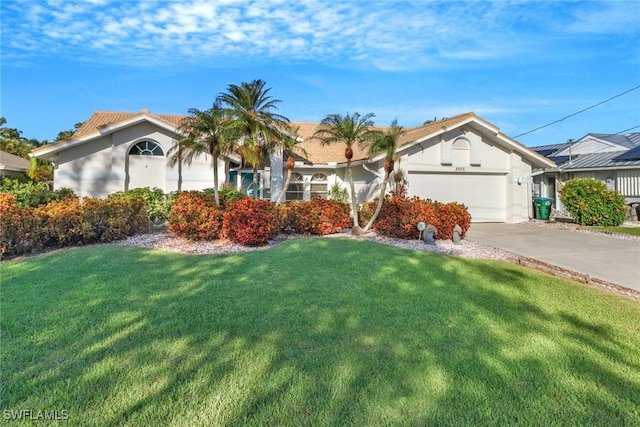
543	207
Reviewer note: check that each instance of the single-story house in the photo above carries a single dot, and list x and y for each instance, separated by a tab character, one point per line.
12	165
612	159
460	159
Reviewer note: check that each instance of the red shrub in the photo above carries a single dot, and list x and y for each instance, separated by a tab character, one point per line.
400	216
251	222
194	215
318	217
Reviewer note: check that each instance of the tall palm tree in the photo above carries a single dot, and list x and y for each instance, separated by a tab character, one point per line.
251	110
385	143
290	144
204	132
348	130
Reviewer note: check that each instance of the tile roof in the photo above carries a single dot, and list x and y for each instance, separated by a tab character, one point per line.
316	153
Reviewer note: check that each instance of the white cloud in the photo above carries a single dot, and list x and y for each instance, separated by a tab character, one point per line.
387	35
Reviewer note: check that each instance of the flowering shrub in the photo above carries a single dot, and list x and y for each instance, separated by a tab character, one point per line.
590	202
317	216
251	222
67	222
400	216
194	215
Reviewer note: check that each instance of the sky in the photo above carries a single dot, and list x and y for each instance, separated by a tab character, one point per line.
520	65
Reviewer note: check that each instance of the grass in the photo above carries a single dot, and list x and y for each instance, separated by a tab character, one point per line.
633	231
312	332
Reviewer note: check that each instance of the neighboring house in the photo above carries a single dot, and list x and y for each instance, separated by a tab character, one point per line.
612	159
461	159
12	165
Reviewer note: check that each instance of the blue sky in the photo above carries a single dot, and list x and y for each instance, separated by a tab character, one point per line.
518	64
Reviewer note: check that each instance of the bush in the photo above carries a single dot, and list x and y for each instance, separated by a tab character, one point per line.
61	223
590	202
17	226
67	222
195	216
157	203
319	217
400	216
30	193
251	222
113	218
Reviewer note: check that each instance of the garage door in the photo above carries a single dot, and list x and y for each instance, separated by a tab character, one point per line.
484	195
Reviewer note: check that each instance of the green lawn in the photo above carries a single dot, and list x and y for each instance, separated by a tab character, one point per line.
634	231
312	332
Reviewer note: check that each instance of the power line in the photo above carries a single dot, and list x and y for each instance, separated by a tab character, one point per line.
581	111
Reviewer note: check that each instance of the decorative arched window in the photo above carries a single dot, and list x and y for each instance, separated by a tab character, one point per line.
295	191
319	186
146	148
461	152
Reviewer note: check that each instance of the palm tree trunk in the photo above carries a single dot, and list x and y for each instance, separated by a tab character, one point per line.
215	180
354	204
255	182
385	180
286	186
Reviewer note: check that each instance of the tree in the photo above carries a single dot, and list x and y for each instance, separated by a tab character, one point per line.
12	142
348	130
67	134
252	118
291	145
385	143
204	132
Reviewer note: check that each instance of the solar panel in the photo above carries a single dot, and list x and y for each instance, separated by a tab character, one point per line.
633	154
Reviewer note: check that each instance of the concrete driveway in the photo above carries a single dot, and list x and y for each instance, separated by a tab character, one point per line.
604	257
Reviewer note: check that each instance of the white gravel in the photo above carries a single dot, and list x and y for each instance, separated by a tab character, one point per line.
166	241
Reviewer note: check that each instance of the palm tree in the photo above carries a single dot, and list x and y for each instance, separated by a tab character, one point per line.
348	130
251	110
386	143
291	145
204	132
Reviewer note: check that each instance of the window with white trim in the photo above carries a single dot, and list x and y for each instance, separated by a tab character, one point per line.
295	191
319	186
146	148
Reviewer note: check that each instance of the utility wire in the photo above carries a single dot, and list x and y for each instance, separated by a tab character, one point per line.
581	111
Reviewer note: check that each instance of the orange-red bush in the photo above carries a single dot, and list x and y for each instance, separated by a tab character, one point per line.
317	216
61	222
17	226
67	222
194	215
251	222
400	216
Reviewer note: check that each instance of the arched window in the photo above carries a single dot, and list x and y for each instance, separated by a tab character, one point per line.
461	152
319	186
296	187
146	148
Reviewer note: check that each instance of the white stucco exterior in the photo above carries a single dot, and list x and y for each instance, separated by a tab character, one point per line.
464	159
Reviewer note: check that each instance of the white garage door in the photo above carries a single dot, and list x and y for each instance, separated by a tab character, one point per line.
483	195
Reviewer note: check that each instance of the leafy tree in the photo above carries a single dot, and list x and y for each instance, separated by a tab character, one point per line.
291	145
385	143
205	132
253	119
67	134
348	130
12	142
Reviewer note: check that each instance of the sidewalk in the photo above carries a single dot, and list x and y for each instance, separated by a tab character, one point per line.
599	256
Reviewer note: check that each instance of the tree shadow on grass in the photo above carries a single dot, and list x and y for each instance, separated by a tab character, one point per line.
321	331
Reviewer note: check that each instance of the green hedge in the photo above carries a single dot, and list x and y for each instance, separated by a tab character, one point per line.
590	202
